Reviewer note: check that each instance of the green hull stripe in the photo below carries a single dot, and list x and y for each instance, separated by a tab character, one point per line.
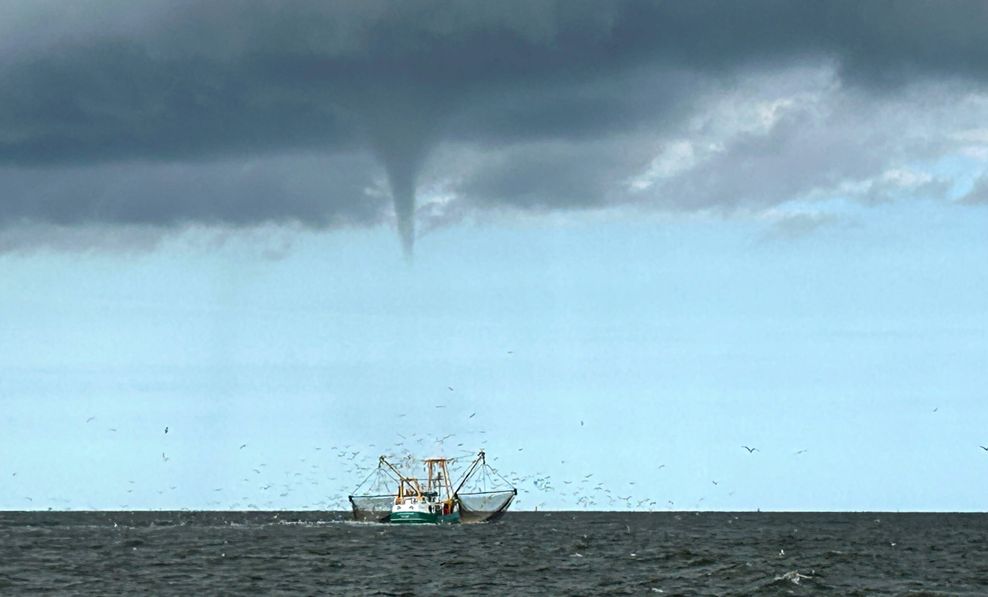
422	518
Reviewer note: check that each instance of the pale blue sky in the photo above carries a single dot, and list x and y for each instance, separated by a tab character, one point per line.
674	341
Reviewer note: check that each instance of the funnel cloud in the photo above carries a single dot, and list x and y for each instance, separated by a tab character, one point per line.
166	115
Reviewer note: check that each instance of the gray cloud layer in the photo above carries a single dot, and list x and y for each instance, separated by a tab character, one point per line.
240	114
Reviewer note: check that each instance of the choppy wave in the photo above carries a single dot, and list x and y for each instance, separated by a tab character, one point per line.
527	553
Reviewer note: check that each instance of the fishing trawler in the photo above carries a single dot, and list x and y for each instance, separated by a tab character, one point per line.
430	504
482	495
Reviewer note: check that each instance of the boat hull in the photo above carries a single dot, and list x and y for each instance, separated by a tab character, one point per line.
409	517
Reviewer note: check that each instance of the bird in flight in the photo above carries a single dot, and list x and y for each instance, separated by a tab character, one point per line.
803	451
90	419
166	430
472	415
983	448
750	450
242	446
450	388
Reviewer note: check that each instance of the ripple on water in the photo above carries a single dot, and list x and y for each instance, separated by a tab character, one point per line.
527	553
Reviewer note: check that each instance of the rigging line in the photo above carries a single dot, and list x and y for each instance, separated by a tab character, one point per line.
510	484
369	475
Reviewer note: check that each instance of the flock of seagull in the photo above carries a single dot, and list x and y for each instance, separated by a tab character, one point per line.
584	491
589	495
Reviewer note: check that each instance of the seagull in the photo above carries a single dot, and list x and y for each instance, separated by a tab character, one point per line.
983	448
90	419
662	466
750	450
450	388
242	446
163	457
714	482
472	415
801	451
166	430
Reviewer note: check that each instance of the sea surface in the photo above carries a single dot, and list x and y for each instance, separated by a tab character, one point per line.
558	553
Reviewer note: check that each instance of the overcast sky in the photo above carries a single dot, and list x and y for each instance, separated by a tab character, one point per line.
658	229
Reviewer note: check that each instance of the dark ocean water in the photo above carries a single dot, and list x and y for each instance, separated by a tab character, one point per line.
526	553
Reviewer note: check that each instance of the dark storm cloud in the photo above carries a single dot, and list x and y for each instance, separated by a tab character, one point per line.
291	189
103	104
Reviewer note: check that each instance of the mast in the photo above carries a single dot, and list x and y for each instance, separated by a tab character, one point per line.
438	476
449	487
